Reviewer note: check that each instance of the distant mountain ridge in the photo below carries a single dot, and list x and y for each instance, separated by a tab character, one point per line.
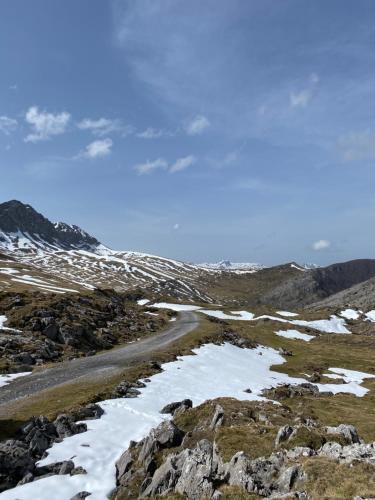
227	265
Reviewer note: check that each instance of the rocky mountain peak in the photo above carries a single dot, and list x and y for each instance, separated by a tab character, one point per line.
22	227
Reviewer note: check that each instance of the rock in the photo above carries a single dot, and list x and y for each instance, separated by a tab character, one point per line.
65	426
28	478
39	443
300	451
15	463
350	453
80	495
66	467
349	432
123	466
166	435
126	390
283	434
89	412
172	407
191	473
218	418
78	470
289	477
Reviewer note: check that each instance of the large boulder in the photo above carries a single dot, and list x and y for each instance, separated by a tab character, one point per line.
15	462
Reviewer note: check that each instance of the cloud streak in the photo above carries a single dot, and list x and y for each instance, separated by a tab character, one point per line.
97	149
7	125
180	164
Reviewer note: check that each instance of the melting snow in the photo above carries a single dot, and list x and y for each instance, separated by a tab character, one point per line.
350	314
294	334
239	315
175	307
195	377
142	302
8	377
3	320
371	315
287	314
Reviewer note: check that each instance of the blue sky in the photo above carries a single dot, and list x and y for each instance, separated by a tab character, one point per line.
197	130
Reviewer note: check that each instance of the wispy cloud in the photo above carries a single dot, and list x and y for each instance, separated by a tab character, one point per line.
357	146
97	149
303	97
156	133
7	125
161	164
197	125
45	125
182	164
151	166
104	126
321	245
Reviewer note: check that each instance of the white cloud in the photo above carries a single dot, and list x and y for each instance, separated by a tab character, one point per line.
182	164
321	244
151	133
176	227
97	149
160	164
7	125
197	125
44	125
151	166
357	146
302	98
104	126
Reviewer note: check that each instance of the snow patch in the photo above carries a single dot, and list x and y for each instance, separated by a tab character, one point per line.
8	377
195	377
294	334
286	314
142	302
350	314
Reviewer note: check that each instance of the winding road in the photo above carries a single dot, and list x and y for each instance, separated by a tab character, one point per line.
115	359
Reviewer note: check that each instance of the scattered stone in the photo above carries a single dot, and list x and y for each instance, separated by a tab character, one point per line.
283	434
172	407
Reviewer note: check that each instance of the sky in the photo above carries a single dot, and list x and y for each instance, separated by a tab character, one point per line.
201	130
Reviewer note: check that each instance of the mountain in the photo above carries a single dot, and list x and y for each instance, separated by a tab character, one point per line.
317	284
227	265
23	228
37	253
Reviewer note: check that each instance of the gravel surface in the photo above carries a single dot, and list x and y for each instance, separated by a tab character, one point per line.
97	365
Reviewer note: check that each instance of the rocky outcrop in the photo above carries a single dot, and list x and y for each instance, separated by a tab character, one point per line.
47	328
19	457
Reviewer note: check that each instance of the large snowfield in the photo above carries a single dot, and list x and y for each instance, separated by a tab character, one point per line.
214	371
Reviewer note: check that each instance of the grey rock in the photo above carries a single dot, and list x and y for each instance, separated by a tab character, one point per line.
65	426
289	477
166	435
349	432
300	451
89	412
15	462
218	418
28	478
123	466
172	407
81	495
283	434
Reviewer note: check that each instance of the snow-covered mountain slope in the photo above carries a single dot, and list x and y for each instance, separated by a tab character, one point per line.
237	267
57	255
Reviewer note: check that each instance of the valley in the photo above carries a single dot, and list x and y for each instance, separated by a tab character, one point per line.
120	372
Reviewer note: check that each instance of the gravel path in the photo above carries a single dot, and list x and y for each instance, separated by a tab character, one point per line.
99	364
